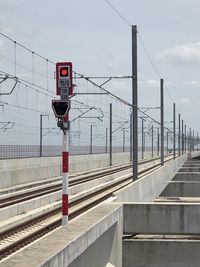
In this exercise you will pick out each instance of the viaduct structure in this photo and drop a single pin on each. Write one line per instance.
(153, 221)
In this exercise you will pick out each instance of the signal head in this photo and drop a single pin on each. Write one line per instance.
(60, 108)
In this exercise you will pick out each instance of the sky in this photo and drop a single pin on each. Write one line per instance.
(98, 42)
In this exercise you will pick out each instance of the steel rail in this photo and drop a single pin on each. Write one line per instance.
(90, 200)
(21, 197)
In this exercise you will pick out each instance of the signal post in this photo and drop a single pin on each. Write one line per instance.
(61, 110)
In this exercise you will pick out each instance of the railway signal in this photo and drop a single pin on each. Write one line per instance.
(61, 108)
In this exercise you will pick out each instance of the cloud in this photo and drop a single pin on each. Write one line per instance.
(185, 101)
(112, 64)
(120, 87)
(150, 84)
(7, 30)
(195, 84)
(182, 54)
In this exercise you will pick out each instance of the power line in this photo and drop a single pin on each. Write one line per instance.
(104, 90)
(118, 98)
(152, 64)
(143, 45)
(23, 67)
(118, 13)
(30, 85)
(81, 75)
(122, 17)
(148, 56)
(25, 108)
(168, 92)
(26, 48)
(19, 119)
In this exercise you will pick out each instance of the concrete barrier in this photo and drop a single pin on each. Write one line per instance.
(150, 186)
(23, 207)
(177, 223)
(95, 161)
(94, 239)
(193, 154)
(182, 189)
(161, 253)
(13, 177)
(23, 163)
(164, 218)
(190, 169)
(187, 176)
(19, 171)
(190, 164)
(75, 192)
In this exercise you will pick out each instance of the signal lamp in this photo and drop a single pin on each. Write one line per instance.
(64, 72)
(60, 108)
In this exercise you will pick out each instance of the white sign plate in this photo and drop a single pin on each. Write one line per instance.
(64, 92)
(63, 83)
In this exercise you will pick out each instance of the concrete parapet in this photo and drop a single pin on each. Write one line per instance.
(93, 161)
(80, 163)
(182, 189)
(23, 207)
(165, 218)
(19, 171)
(187, 176)
(150, 186)
(20, 176)
(190, 164)
(161, 253)
(6, 225)
(190, 169)
(23, 163)
(193, 154)
(94, 239)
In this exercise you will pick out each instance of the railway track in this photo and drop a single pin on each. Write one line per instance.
(19, 236)
(17, 197)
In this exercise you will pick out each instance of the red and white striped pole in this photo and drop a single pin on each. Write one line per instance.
(65, 171)
(64, 88)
